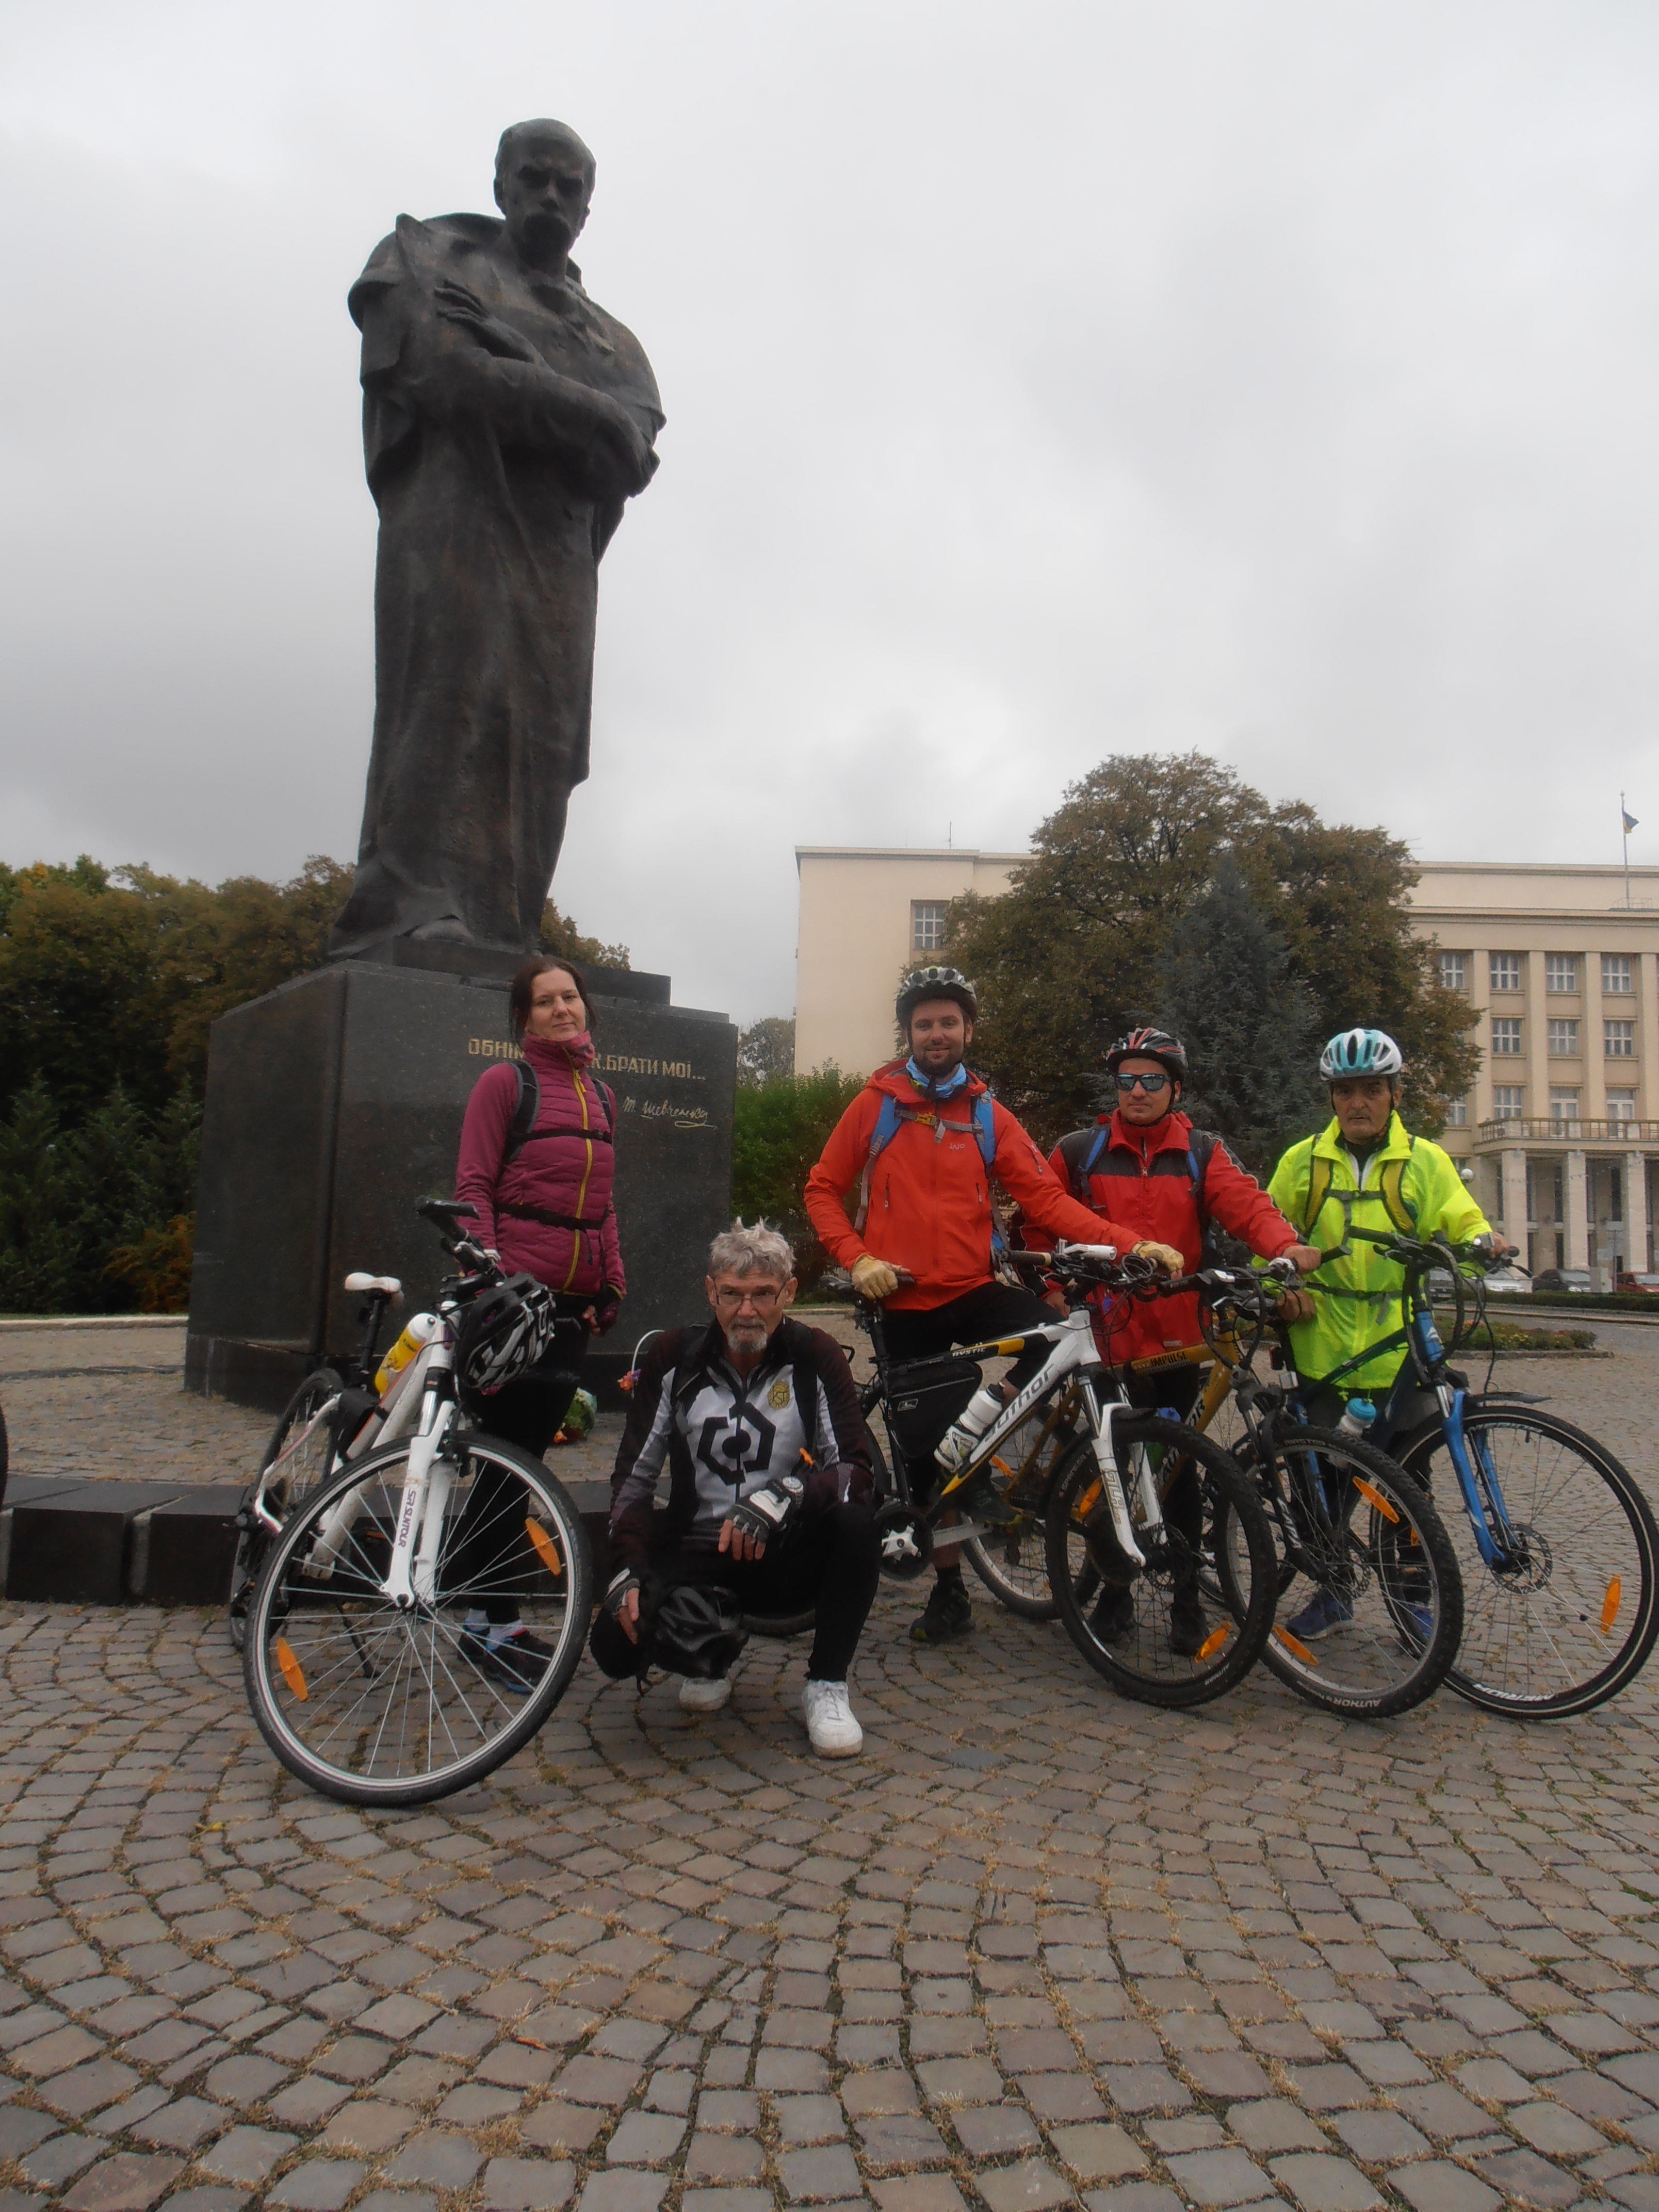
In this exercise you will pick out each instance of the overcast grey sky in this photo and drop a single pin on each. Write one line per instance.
(1277, 379)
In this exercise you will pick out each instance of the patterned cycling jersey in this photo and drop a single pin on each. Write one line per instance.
(723, 1435)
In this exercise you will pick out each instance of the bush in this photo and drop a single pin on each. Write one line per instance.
(108, 1201)
(780, 1126)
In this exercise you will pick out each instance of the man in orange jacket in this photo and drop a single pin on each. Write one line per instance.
(1145, 1160)
(920, 1142)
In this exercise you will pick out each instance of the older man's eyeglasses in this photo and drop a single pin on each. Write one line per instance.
(761, 1296)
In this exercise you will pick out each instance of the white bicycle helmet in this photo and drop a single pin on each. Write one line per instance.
(1360, 1052)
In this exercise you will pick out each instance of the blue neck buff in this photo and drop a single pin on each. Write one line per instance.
(945, 1089)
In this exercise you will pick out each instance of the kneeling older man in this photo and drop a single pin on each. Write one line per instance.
(770, 1481)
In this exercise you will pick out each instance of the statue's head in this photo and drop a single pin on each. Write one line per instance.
(544, 182)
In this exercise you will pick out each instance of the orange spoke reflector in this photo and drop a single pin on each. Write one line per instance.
(293, 1673)
(1375, 1499)
(1294, 1643)
(544, 1548)
(1086, 1504)
(1002, 1465)
(1610, 1604)
(1213, 1641)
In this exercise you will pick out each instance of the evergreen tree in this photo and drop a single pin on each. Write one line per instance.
(766, 1048)
(1250, 1025)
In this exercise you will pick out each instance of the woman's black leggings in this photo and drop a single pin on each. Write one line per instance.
(526, 1412)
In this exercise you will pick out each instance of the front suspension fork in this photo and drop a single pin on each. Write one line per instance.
(1112, 1483)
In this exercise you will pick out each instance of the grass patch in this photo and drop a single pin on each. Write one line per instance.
(1509, 1336)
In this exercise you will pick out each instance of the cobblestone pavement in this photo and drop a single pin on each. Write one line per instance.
(1037, 1946)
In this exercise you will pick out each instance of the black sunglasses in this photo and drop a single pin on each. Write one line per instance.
(1151, 1084)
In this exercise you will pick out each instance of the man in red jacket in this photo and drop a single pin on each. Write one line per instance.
(920, 1142)
(1144, 1162)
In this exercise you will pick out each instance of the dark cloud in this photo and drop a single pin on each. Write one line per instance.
(1274, 379)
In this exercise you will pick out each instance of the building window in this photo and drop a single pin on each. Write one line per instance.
(1506, 1102)
(1459, 1116)
(1621, 1105)
(1564, 1040)
(1561, 971)
(1621, 1040)
(1506, 971)
(1615, 973)
(1563, 1105)
(1451, 971)
(927, 925)
(1506, 1040)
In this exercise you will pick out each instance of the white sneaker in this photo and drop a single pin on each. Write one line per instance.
(830, 1722)
(698, 1694)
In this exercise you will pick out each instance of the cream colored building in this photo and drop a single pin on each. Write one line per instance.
(1561, 1129)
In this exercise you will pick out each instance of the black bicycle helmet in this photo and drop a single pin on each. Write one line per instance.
(924, 983)
(694, 1631)
(505, 1330)
(1168, 1051)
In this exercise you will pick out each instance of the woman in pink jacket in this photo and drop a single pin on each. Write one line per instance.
(543, 1196)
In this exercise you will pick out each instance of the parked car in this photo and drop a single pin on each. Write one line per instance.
(1649, 1283)
(1510, 1283)
(1574, 1280)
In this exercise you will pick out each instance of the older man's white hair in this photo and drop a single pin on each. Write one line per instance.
(759, 1250)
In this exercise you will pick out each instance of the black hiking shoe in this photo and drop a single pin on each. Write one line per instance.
(1187, 1626)
(948, 1614)
(1113, 1620)
(980, 1501)
(517, 1664)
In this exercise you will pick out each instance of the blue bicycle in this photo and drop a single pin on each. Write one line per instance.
(1557, 1545)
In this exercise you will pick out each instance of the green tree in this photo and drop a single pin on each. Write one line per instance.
(1074, 953)
(766, 1048)
(39, 1246)
(780, 1128)
(1250, 1024)
(560, 935)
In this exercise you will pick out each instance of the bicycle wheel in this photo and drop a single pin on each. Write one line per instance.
(1126, 1634)
(1013, 1562)
(377, 1705)
(1372, 1603)
(306, 1434)
(1569, 1621)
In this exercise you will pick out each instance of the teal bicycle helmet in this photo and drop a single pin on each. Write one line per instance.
(1360, 1052)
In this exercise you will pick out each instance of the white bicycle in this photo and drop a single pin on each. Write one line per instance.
(1099, 1496)
(362, 1670)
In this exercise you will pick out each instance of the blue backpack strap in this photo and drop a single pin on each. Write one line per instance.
(984, 1127)
(881, 1136)
(886, 1128)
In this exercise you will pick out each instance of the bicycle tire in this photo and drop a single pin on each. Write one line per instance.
(1590, 1563)
(301, 1671)
(1139, 1662)
(1013, 1562)
(254, 1542)
(1389, 1561)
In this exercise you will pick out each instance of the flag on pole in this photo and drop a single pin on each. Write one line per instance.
(1629, 821)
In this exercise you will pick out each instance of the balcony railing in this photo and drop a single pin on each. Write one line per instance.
(1558, 1129)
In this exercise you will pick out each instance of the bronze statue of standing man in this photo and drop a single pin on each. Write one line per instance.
(505, 421)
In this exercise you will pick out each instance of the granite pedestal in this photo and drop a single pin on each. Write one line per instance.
(335, 1102)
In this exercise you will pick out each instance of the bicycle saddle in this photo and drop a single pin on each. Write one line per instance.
(387, 1285)
(446, 1210)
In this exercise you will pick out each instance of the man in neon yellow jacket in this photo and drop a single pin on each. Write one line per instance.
(1363, 1171)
